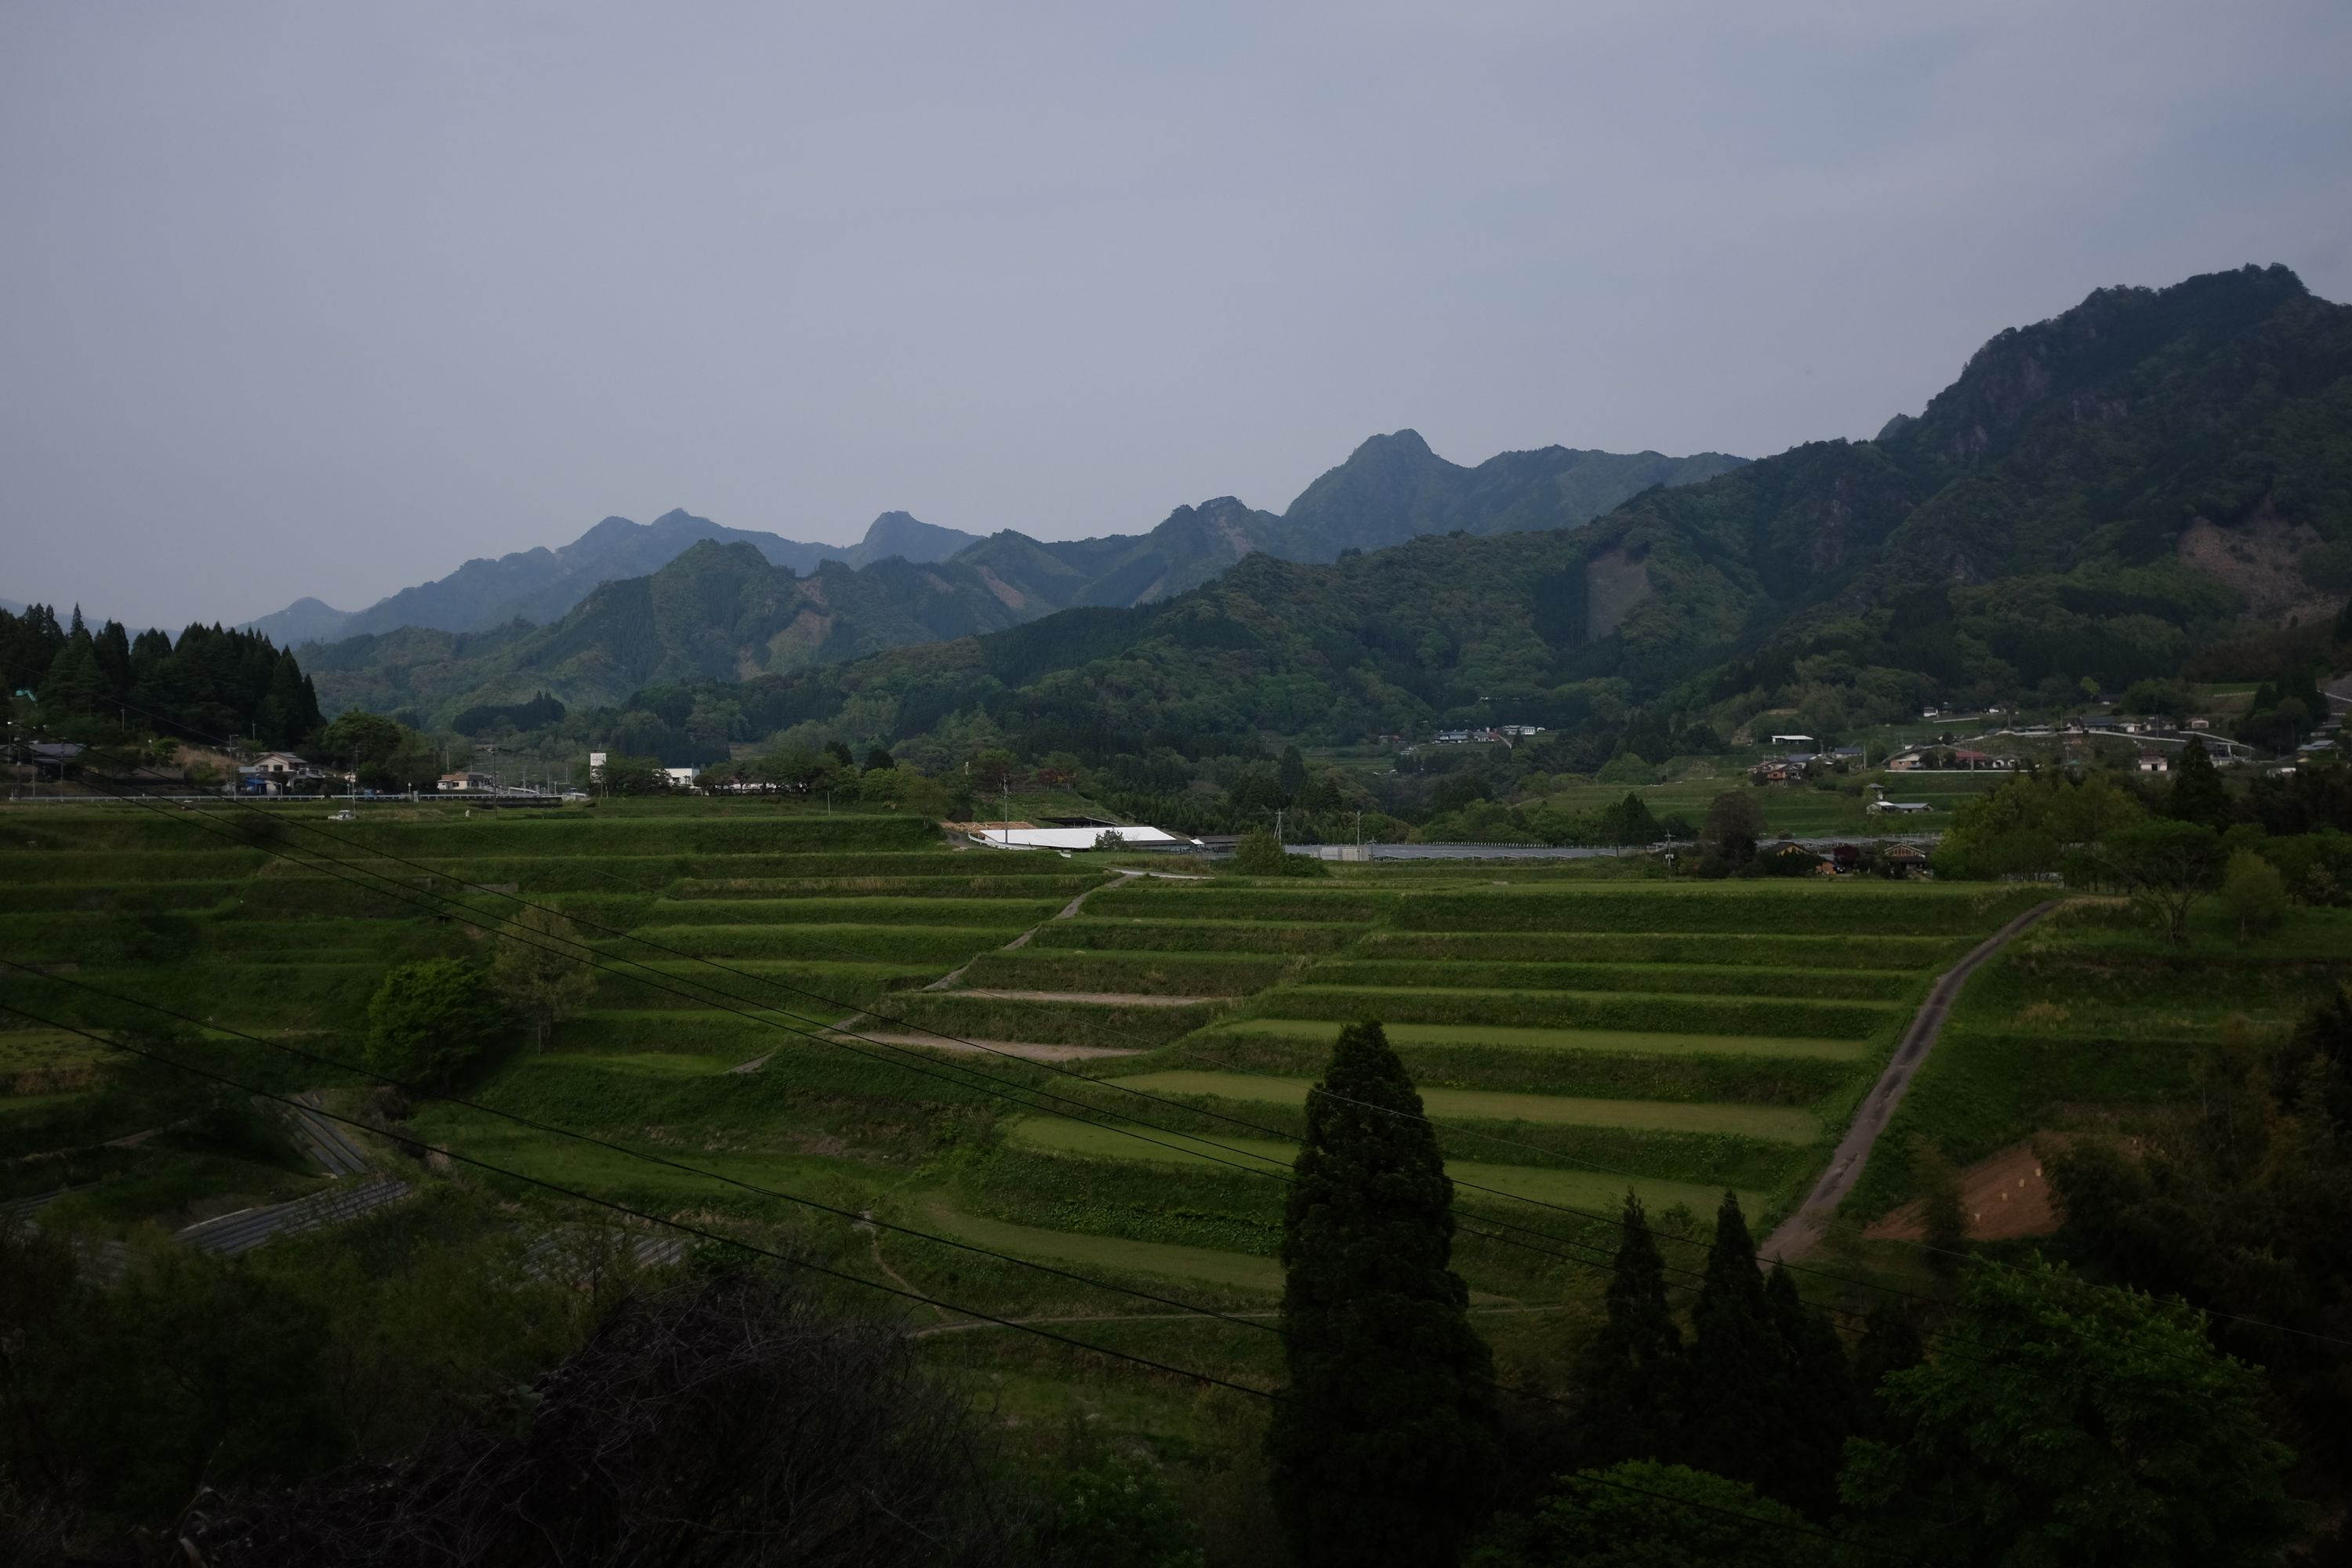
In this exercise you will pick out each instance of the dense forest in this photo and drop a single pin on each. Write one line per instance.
(208, 683)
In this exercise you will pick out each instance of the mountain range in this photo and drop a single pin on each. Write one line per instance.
(541, 584)
(2153, 483)
(2151, 479)
(469, 638)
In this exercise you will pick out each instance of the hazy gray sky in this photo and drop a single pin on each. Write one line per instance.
(304, 298)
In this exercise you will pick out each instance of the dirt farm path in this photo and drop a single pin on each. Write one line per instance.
(1797, 1235)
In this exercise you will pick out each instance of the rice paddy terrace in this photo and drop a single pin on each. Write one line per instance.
(1095, 1062)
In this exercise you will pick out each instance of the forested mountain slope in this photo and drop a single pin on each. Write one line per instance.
(2096, 496)
(719, 612)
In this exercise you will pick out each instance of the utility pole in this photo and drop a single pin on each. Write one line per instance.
(1005, 827)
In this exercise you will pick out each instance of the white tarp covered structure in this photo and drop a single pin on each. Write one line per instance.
(1077, 838)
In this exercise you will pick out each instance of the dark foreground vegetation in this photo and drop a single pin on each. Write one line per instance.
(469, 1379)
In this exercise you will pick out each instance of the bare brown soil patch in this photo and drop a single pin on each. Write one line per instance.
(2007, 1195)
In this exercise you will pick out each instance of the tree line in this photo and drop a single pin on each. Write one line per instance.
(206, 682)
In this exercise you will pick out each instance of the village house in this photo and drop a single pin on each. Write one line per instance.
(283, 773)
(467, 783)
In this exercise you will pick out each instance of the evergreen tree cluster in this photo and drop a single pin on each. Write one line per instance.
(210, 682)
(1761, 1392)
(2045, 1424)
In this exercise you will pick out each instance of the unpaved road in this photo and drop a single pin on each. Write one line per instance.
(1797, 1235)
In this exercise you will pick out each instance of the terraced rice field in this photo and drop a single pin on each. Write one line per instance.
(1572, 1041)
(852, 1003)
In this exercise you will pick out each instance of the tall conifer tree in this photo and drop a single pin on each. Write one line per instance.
(1821, 1409)
(1384, 1446)
(1742, 1367)
(1628, 1384)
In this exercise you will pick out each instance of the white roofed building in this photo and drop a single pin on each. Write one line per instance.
(1020, 836)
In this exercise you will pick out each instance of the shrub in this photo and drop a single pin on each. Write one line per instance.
(1261, 854)
(429, 1019)
(2256, 893)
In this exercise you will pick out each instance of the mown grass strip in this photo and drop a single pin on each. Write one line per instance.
(1193, 936)
(946, 946)
(1110, 1025)
(1157, 901)
(1016, 915)
(1014, 887)
(1784, 1124)
(1678, 979)
(1595, 1190)
(1586, 1010)
(1641, 1041)
(1721, 948)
